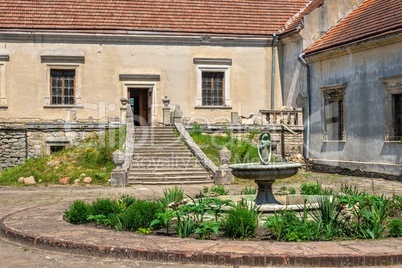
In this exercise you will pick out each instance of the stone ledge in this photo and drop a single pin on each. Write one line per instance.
(44, 228)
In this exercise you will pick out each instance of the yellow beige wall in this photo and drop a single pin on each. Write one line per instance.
(25, 81)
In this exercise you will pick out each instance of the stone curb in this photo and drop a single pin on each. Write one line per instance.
(212, 257)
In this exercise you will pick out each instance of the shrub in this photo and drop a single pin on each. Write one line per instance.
(106, 207)
(78, 212)
(241, 222)
(219, 190)
(310, 188)
(285, 225)
(395, 228)
(140, 214)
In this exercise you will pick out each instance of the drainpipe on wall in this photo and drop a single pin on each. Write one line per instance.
(274, 37)
(303, 61)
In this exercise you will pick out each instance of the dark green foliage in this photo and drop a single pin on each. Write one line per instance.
(140, 214)
(311, 188)
(105, 207)
(78, 212)
(206, 228)
(241, 221)
(286, 226)
(395, 228)
(127, 200)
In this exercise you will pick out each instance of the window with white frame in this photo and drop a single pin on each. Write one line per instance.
(393, 108)
(63, 86)
(334, 112)
(213, 82)
(3, 97)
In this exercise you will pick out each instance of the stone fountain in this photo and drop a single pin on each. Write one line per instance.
(266, 172)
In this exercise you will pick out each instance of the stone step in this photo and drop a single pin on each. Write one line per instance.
(173, 182)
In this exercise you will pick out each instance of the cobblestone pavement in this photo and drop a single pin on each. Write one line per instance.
(12, 199)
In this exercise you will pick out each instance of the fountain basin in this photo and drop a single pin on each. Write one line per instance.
(264, 176)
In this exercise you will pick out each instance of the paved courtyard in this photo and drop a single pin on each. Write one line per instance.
(42, 207)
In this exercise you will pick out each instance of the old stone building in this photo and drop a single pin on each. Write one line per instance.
(68, 67)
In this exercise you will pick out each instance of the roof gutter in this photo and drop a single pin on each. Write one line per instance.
(307, 144)
(273, 72)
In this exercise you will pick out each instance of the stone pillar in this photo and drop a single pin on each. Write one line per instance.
(123, 110)
(166, 111)
(224, 175)
(119, 175)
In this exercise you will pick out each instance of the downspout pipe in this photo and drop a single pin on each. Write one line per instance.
(274, 38)
(303, 61)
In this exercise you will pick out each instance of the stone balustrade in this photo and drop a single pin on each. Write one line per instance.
(289, 117)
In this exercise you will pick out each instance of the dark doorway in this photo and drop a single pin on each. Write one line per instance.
(139, 105)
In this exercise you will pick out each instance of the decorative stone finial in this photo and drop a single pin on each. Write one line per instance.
(224, 156)
(166, 101)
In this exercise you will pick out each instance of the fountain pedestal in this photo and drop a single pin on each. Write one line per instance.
(264, 176)
(264, 193)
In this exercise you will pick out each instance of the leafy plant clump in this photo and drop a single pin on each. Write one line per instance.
(311, 188)
(78, 212)
(90, 158)
(241, 221)
(339, 216)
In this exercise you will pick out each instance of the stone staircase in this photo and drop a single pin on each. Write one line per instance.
(161, 157)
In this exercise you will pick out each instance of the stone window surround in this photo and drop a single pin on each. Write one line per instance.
(334, 90)
(3, 97)
(63, 63)
(213, 65)
(55, 142)
(140, 81)
(392, 85)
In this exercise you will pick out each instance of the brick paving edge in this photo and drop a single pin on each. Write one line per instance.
(186, 257)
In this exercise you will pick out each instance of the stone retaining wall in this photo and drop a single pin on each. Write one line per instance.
(18, 142)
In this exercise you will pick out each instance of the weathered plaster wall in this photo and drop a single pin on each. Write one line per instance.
(26, 85)
(364, 104)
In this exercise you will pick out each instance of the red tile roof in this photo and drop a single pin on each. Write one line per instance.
(250, 17)
(371, 19)
(295, 20)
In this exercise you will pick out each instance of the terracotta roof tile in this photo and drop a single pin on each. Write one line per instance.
(190, 16)
(295, 20)
(372, 18)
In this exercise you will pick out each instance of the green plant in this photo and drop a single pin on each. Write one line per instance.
(248, 191)
(241, 221)
(78, 212)
(185, 225)
(395, 228)
(292, 190)
(163, 219)
(219, 190)
(206, 228)
(105, 207)
(145, 231)
(172, 195)
(285, 225)
(310, 188)
(328, 215)
(140, 214)
(196, 129)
